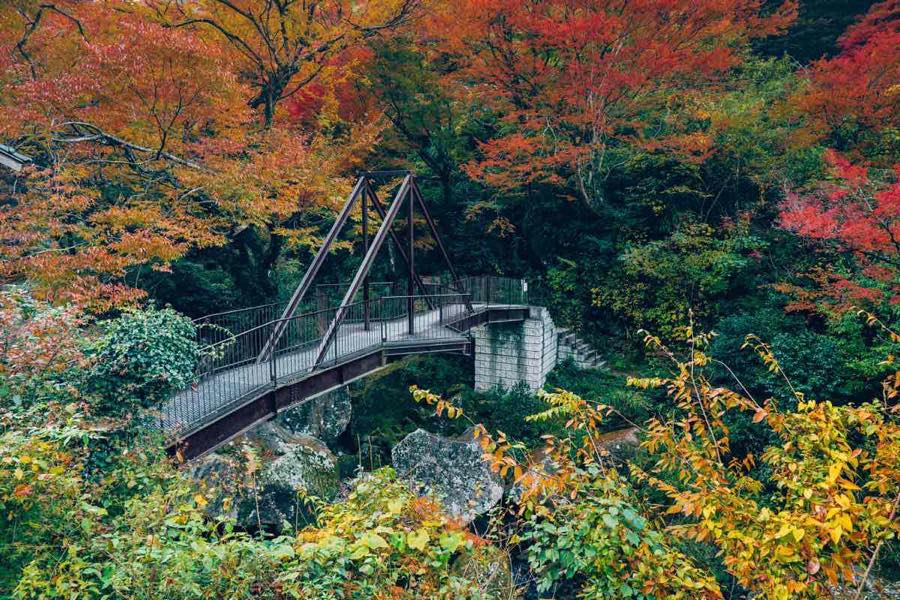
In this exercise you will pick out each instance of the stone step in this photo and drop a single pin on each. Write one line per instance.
(593, 364)
(588, 356)
(581, 352)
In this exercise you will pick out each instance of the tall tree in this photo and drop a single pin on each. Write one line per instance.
(853, 100)
(284, 45)
(152, 134)
(578, 84)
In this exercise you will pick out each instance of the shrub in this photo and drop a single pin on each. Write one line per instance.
(602, 542)
(141, 359)
(381, 542)
(41, 353)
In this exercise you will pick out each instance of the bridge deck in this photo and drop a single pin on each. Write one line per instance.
(225, 391)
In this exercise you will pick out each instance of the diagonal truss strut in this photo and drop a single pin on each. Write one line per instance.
(363, 192)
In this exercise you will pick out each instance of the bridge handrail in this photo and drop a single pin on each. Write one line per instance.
(229, 372)
(236, 311)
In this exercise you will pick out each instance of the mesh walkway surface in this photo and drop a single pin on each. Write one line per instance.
(221, 391)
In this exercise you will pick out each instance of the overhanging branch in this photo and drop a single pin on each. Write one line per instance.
(86, 132)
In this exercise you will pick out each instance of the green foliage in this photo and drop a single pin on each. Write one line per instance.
(506, 410)
(140, 359)
(605, 387)
(381, 540)
(566, 290)
(841, 360)
(142, 532)
(603, 543)
(139, 532)
(382, 412)
(662, 282)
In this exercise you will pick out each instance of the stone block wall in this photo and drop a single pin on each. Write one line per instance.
(509, 353)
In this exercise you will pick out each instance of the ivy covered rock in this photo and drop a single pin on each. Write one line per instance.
(324, 417)
(452, 469)
(290, 466)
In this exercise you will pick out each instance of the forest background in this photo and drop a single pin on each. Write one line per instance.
(664, 166)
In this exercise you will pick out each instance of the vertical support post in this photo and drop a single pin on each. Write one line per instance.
(411, 280)
(395, 289)
(382, 319)
(273, 373)
(365, 227)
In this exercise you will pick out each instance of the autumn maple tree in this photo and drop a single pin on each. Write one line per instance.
(578, 86)
(152, 130)
(852, 101)
(857, 213)
(283, 45)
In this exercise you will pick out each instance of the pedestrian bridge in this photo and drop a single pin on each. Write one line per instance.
(239, 384)
(258, 361)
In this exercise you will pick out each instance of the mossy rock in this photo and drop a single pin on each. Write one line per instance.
(292, 466)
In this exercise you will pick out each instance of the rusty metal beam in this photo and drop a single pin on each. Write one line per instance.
(402, 194)
(311, 272)
(411, 274)
(379, 208)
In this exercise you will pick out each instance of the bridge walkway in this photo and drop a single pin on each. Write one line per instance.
(235, 389)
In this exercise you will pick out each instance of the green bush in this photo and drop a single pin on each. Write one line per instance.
(140, 359)
(143, 533)
(601, 545)
(820, 364)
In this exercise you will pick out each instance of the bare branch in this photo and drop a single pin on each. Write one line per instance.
(32, 27)
(86, 132)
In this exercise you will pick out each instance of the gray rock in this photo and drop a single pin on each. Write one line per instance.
(622, 444)
(221, 480)
(259, 478)
(291, 465)
(324, 417)
(451, 469)
(875, 588)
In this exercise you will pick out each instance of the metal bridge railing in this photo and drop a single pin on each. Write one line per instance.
(230, 373)
(494, 290)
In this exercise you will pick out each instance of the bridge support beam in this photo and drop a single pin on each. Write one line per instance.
(507, 354)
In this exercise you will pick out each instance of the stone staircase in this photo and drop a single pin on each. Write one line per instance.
(570, 345)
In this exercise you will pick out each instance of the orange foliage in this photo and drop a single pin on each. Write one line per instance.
(573, 81)
(143, 120)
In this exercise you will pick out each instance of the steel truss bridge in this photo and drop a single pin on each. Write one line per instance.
(259, 361)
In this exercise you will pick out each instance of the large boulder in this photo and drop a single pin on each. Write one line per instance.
(221, 479)
(324, 417)
(260, 478)
(291, 466)
(452, 469)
